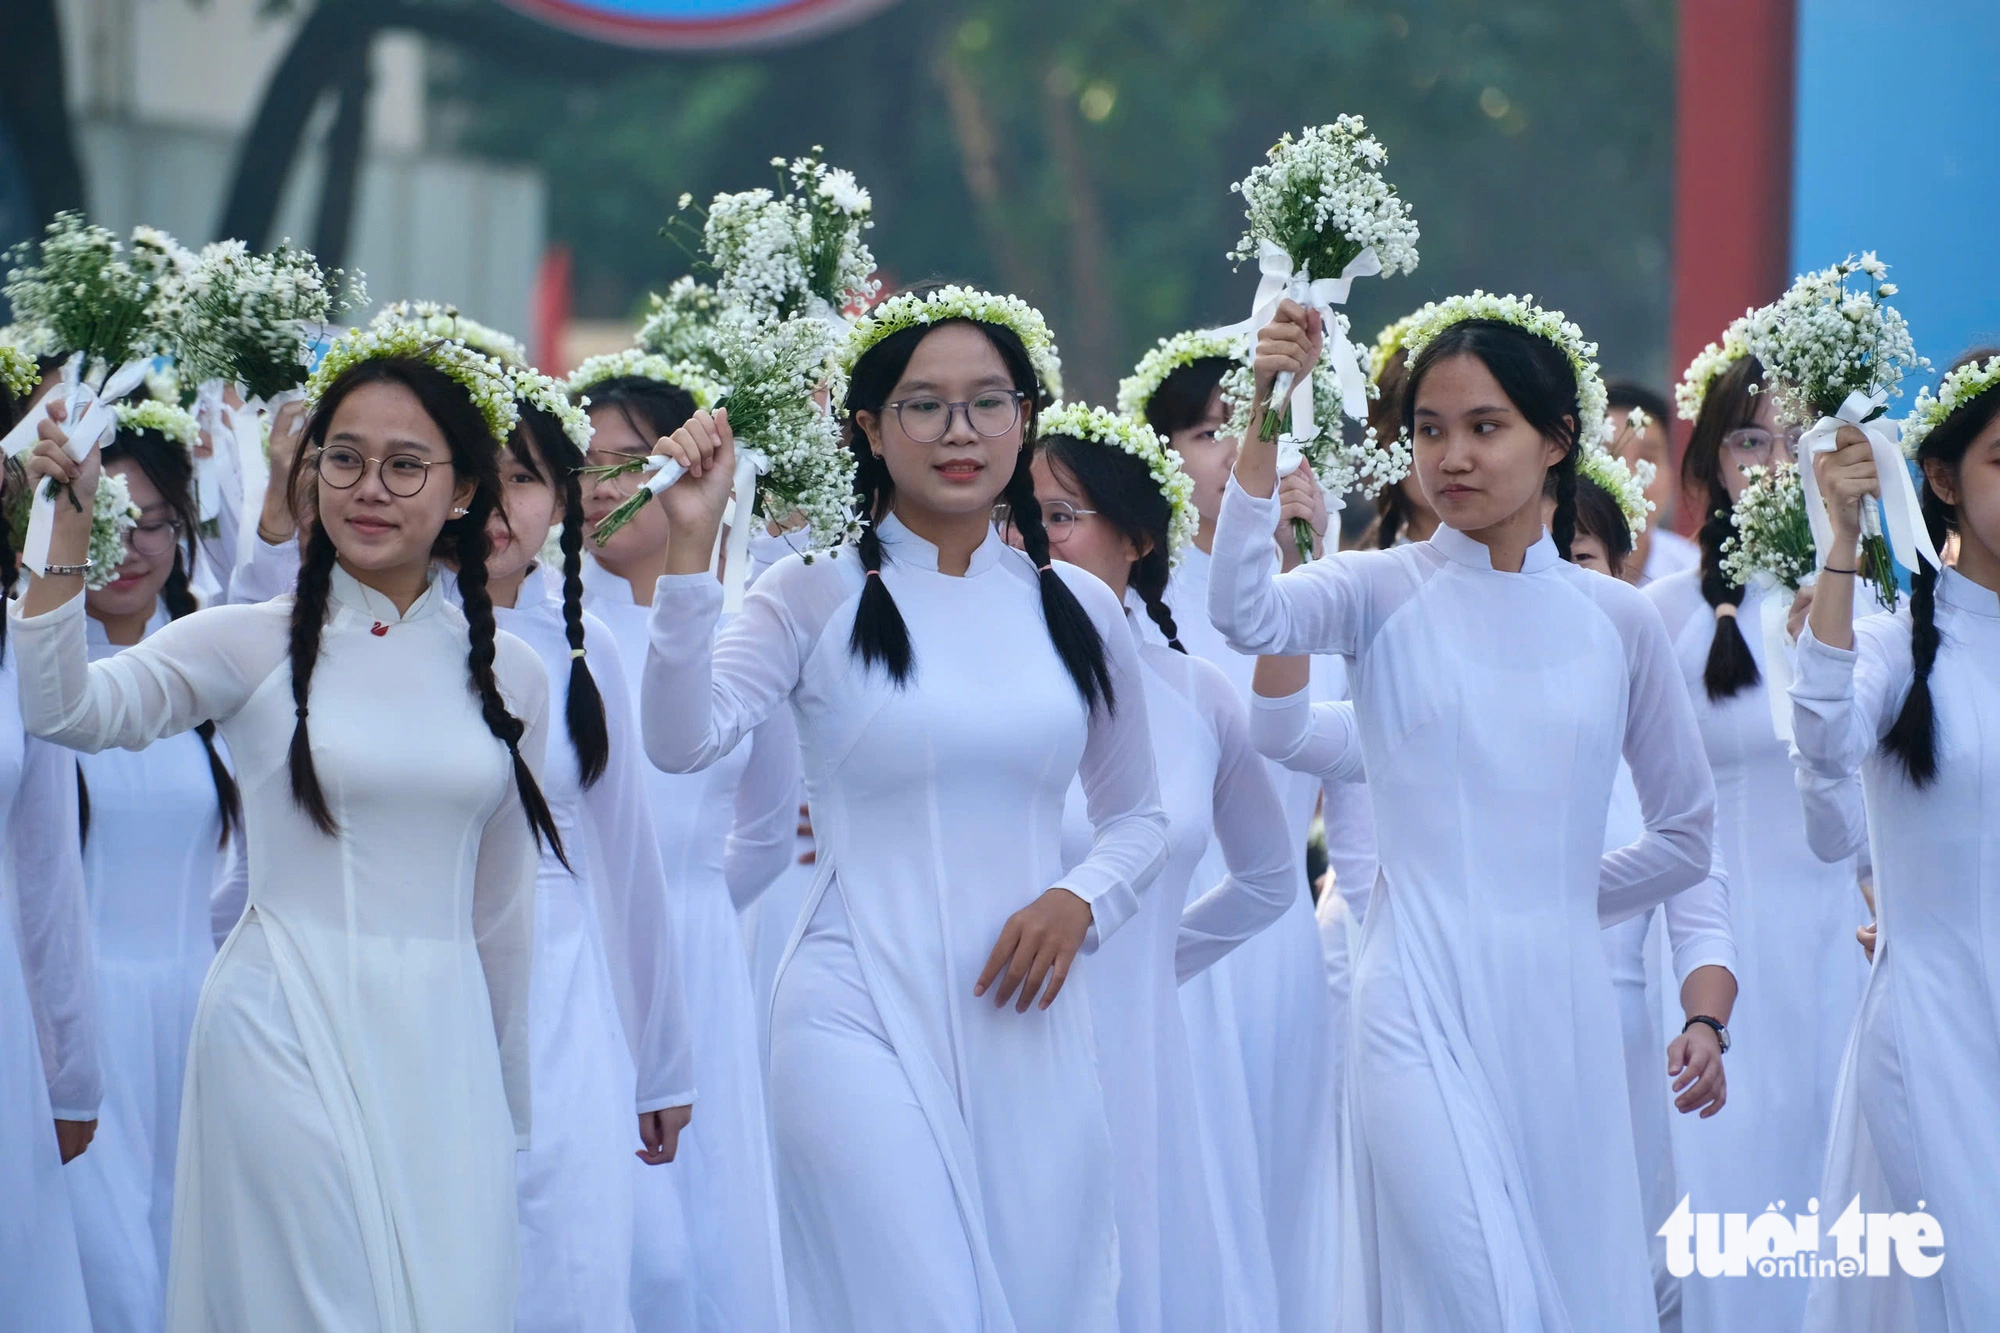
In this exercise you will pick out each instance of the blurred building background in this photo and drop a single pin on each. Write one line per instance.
(1650, 167)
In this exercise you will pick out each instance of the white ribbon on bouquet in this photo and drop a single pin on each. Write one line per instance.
(1909, 540)
(91, 415)
(1278, 280)
(662, 472)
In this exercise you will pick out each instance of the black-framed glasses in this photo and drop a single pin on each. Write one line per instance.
(1754, 444)
(1058, 518)
(403, 475)
(927, 418)
(153, 537)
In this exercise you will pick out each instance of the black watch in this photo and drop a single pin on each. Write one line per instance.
(1721, 1031)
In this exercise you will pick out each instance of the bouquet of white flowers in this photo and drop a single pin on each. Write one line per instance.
(793, 251)
(786, 441)
(1772, 538)
(1837, 355)
(1320, 215)
(680, 326)
(1366, 464)
(107, 309)
(112, 515)
(252, 319)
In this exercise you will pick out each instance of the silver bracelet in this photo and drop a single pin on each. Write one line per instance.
(57, 571)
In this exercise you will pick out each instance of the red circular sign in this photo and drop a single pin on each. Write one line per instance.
(697, 24)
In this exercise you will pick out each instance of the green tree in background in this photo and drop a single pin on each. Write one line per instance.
(1079, 152)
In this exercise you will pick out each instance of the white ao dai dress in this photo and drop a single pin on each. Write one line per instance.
(1914, 1125)
(941, 1163)
(1801, 974)
(357, 1079)
(1491, 1180)
(609, 1030)
(707, 1256)
(48, 1024)
(1177, 1271)
(151, 861)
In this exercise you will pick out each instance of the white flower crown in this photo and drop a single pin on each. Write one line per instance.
(18, 371)
(1959, 388)
(552, 396)
(1120, 431)
(1524, 314)
(176, 423)
(1135, 391)
(486, 380)
(1708, 364)
(636, 363)
(1624, 482)
(907, 310)
(444, 321)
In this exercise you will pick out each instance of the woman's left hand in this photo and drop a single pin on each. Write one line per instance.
(1038, 942)
(1300, 497)
(1694, 1062)
(660, 1132)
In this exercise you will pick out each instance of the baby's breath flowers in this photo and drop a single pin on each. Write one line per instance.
(486, 380)
(1121, 431)
(87, 293)
(1771, 536)
(251, 319)
(1135, 391)
(1960, 387)
(680, 326)
(635, 362)
(1709, 363)
(908, 309)
(446, 321)
(165, 419)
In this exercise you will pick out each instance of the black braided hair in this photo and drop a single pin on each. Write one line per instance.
(473, 458)
(1729, 405)
(472, 545)
(880, 635)
(1912, 737)
(1538, 380)
(1183, 398)
(543, 450)
(1121, 489)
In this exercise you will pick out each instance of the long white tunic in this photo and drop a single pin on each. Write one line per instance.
(1915, 1124)
(48, 1023)
(942, 1163)
(1491, 1171)
(707, 1255)
(610, 1035)
(358, 1071)
(1174, 1272)
(1800, 972)
(150, 864)
(1264, 1043)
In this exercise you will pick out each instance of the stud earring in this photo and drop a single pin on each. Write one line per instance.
(460, 512)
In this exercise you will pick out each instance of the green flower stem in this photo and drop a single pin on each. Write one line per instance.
(620, 516)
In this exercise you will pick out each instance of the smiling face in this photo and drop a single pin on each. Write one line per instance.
(1479, 460)
(150, 549)
(383, 424)
(1091, 541)
(963, 471)
(529, 507)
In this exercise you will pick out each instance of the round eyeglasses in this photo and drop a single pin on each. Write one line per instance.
(1755, 445)
(1058, 518)
(154, 537)
(926, 418)
(403, 475)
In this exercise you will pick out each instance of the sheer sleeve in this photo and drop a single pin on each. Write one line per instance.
(199, 668)
(503, 887)
(1698, 924)
(1120, 784)
(1317, 738)
(1836, 815)
(1251, 829)
(633, 908)
(1321, 607)
(766, 827)
(1669, 768)
(1844, 700)
(702, 692)
(45, 862)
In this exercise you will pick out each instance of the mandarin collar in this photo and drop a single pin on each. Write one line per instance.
(99, 645)
(914, 552)
(356, 596)
(1463, 550)
(1962, 594)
